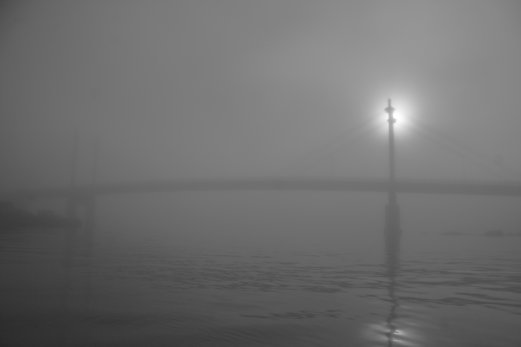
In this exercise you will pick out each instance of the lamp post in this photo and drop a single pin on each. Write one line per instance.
(392, 213)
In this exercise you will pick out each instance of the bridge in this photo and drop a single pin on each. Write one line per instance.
(84, 196)
(486, 188)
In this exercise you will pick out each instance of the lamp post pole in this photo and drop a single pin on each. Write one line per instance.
(392, 220)
(392, 174)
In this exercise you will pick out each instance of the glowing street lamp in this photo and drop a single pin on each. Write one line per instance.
(392, 215)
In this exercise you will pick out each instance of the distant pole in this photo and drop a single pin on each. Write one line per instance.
(70, 235)
(95, 159)
(392, 220)
(74, 159)
(71, 201)
(90, 215)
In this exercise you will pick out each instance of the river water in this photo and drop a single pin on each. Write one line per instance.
(447, 291)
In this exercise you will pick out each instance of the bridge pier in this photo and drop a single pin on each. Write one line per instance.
(393, 233)
(87, 203)
(71, 212)
(79, 242)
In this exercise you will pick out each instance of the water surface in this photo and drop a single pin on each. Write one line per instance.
(448, 291)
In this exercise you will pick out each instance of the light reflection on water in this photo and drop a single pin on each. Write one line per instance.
(266, 298)
(393, 331)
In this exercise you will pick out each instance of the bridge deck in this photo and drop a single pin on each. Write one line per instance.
(355, 185)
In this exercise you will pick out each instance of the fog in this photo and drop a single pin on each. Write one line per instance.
(170, 137)
(286, 88)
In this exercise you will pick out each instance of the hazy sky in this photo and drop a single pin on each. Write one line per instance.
(251, 88)
(183, 88)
